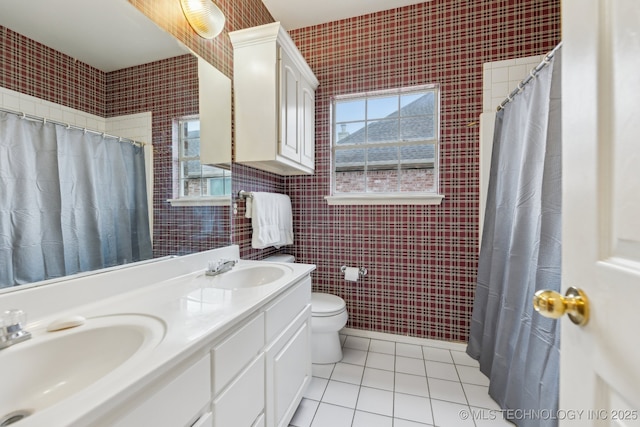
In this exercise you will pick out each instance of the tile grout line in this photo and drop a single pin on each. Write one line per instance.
(464, 391)
(426, 374)
(353, 417)
(393, 392)
(322, 396)
(393, 386)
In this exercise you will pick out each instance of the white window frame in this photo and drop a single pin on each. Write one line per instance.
(388, 198)
(179, 158)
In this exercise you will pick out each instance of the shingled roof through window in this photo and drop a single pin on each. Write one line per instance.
(416, 123)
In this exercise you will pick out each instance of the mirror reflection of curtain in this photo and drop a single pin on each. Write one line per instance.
(517, 348)
(71, 201)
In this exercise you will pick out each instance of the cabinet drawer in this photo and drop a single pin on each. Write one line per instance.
(236, 351)
(175, 403)
(282, 312)
(243, 401)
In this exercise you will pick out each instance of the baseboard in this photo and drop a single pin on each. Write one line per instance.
(449, 345)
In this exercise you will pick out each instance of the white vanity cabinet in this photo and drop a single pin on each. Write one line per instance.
(262, 368)
(253, 375)
(288, 353)
(188, 350)
(274, 91)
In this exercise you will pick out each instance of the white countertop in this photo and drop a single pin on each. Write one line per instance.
(173, 291)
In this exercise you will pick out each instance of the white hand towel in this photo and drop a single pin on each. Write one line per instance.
(271, 219)
(248, 207)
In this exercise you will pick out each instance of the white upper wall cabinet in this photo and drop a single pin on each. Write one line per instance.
(214, 103)
(274, 91)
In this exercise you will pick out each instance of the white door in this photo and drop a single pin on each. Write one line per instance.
(600, 362)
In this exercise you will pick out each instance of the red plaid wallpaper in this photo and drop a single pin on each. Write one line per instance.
(28, 67)
(219, 51)
(167, 88)
(421, 260)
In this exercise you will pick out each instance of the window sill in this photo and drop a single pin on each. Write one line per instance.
(386, 199)
(201, 201)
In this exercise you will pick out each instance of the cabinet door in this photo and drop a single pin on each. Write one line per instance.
(289, 77)
(288, 371)
(214, 106)
(307, 122)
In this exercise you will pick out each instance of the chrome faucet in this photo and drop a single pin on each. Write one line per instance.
(12, 328)
(220, 266)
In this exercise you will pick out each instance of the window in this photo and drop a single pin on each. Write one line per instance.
(385, 147)
(196, 183)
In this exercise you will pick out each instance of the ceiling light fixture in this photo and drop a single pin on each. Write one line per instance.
(204, 16)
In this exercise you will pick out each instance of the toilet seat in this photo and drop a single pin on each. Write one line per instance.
(326, 305)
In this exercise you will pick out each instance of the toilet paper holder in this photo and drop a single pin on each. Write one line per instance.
(361, 271)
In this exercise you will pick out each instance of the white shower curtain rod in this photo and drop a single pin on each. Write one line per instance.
(532, 75)
(69, 126)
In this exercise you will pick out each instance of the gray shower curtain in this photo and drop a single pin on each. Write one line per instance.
(520, 253)
(70, 201)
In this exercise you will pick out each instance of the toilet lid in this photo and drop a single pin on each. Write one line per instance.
(326, 304)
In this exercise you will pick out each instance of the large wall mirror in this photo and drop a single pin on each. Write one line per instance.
(108, 66)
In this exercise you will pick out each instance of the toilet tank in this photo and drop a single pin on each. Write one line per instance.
(280, 258)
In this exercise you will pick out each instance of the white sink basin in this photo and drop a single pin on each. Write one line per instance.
(52, 366)
(244, 277)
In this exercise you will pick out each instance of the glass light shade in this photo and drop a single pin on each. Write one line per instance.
(204, 16)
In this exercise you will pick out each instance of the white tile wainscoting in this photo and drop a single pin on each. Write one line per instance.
(386, 380)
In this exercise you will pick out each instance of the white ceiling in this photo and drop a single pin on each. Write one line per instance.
(113, 34)
(107, 34)
(294, 14)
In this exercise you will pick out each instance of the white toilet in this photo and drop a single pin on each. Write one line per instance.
(328, 316)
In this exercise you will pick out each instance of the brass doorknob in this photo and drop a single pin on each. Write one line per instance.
(553, 305)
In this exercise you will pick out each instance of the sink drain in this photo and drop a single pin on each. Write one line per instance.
(13, 417)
